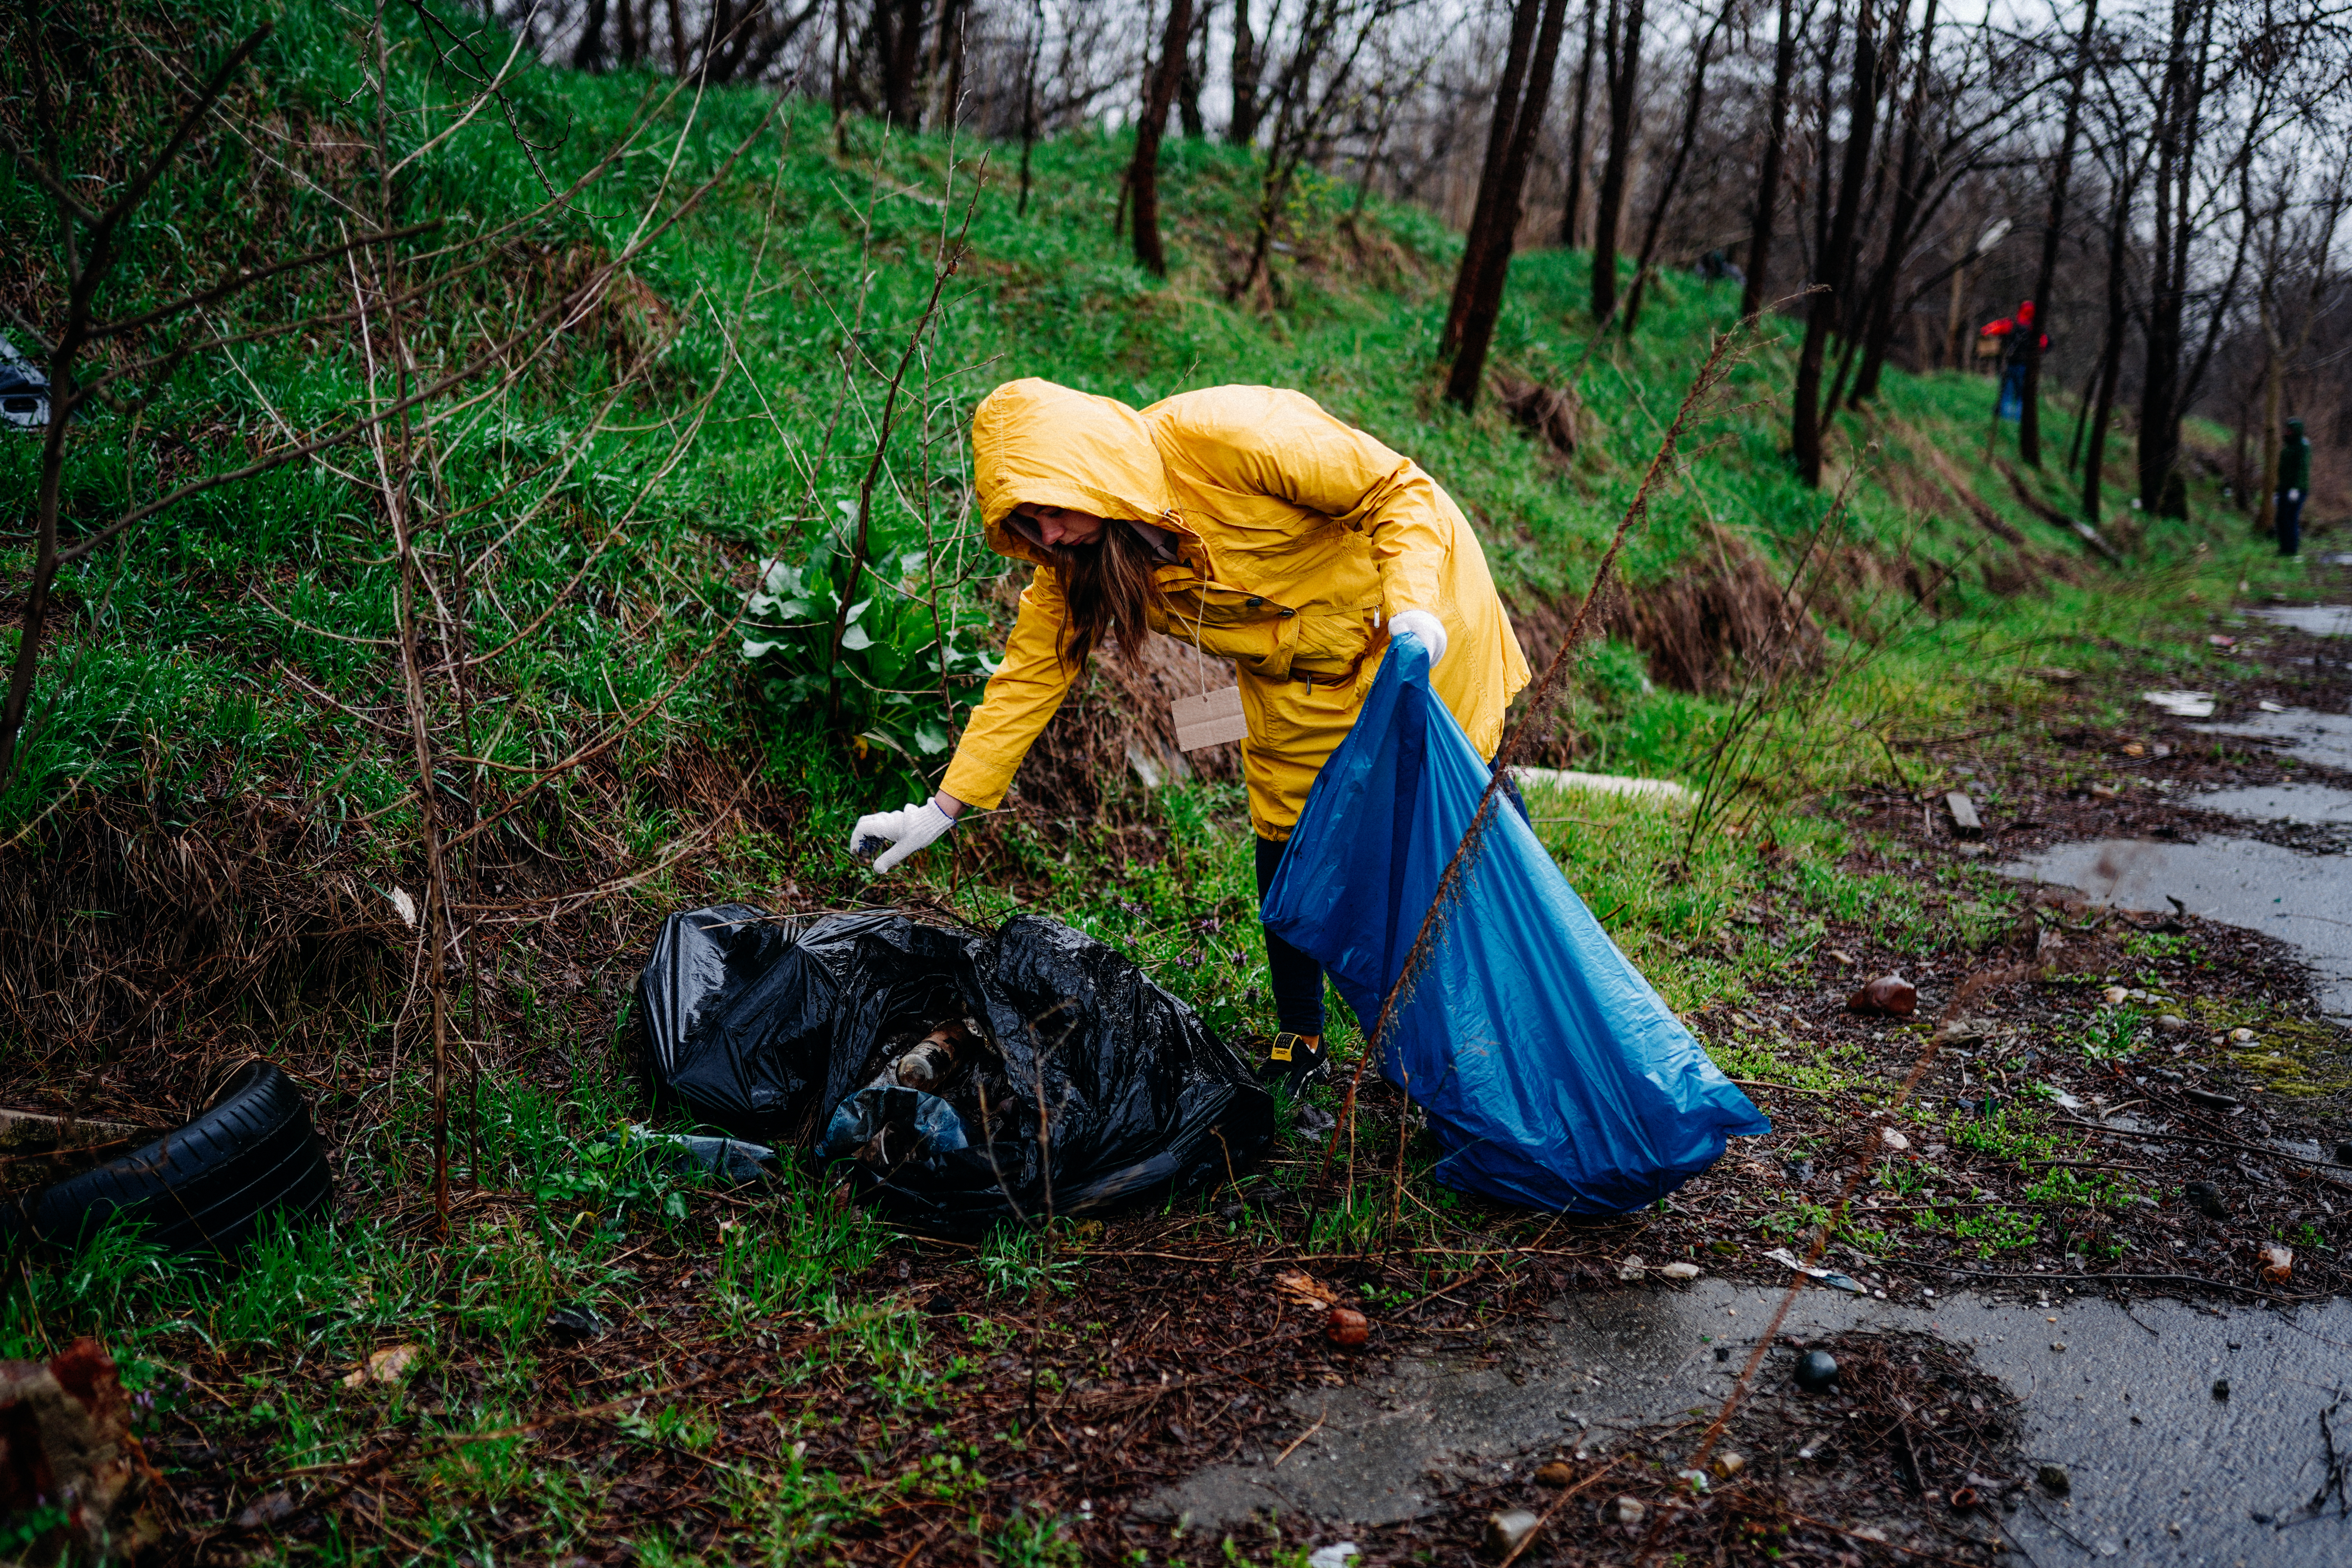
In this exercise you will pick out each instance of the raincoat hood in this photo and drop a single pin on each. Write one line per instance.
(1037, 443)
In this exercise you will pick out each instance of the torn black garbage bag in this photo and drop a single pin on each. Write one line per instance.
(918, 1056)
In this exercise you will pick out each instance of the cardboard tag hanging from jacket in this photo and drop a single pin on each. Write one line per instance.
(1212, 719)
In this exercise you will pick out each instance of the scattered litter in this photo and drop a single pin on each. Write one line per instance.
(2216, 639)
(2182, 704)
(1965, 1499)
(2242, 1037)
(2222, 1388)
(1680, 1273)
(1839, 955)
(1622, 1511)
(1889, 996)
(2172, 1022)
(2267, 706)
(2114, 996)
(1347, 1326)
(1339, 1556)
(1816, 1370)
(2061, 1099)
(1664, 791)
(1829, 1277)
(403, 905)
(2058, 1346)
(387, 1365)
(2053, 1479)
(1727, 1464)
(1893, 1140)
(2209, 1099)
(729, 1157)
(1631, 1269)
(2278, 1265)
(1506, 1533)
(576, 1322)
(1557, 1473)
(1965, 820)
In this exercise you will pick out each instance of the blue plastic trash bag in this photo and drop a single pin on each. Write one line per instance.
(1551, 1072)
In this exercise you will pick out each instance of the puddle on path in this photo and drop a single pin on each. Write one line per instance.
(2305, 899)
(2319, 620)
(2322, 738)
(2311, 804)
(2162, 1471)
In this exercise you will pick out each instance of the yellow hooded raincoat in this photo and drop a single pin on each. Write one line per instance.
(1294, 537)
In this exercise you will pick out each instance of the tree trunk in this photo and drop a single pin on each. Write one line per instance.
(1674, 171)
(1144, 174)
(899, 42)
(1862, 111)
(1571, 211)
(2111, 353)
(2029, 428)
(1029, 98)
(1622, 53)
(2176, 129)
(1196, 69)
(1486, 298)
(1248, 66)
(1500, 129)
(1768, 177)
(1910, 183)
(2274, 394)
(588, 54)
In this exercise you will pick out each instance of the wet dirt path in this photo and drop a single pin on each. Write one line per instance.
(2159, 1468)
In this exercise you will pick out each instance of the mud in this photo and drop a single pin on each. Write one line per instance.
(2160, 1468)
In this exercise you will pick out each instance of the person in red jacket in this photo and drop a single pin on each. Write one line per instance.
(2014, 330)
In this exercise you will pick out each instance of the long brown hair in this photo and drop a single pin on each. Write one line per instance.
(1111, 590)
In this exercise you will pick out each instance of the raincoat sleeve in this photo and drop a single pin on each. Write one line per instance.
(1290, 448)
(1028, 686)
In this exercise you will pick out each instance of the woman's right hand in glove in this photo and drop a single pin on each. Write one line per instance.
(898, 834)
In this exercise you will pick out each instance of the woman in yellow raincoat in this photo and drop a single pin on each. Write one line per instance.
(1249, 522)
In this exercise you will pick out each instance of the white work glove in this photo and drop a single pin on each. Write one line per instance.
(1424, 626)
(897, 834)
(2294, 495)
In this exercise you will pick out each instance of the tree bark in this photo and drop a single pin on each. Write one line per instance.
(2179, 100)
(588, 54)
(1768, 176)
(1910, 186)
(898, 41)
(1572, 210)
(1487, 298)
(1248, 67)
(1824, 315)
(2029, 428)
(1525, 15)
(2111, 353)
(1622, 54)
(1144, 174)
(1188, 86)
(1674, 179)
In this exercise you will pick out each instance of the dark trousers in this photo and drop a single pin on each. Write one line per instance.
(1297, 977)
(2290, 522)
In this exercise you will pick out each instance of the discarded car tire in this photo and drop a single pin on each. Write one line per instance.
(207, 1188)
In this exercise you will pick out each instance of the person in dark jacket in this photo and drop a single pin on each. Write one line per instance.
(2294, 483)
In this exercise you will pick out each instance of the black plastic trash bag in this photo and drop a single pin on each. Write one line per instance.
(916, 1057)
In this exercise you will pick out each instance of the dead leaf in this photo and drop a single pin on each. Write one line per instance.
(1306, 1289)
(387, 1365)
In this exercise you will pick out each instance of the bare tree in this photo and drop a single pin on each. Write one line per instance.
(2029, 429)
(1694, 102)
(1835, 258)
(1622, 57)
(1144, 174)
(1486, 259)
(1767, 174)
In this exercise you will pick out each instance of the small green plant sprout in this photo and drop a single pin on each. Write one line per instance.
(1018, 1261)
(1029, 1540)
